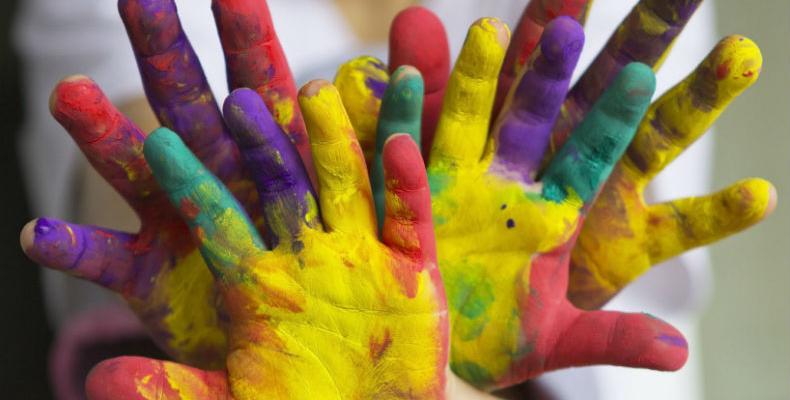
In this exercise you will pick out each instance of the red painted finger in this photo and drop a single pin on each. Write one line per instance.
(255, 59)
(418, 38)
(614, 338)
(112, 143)
(138, 378)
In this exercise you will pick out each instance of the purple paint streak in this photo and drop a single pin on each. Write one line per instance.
(526, 124)
(282, 182)
(677, 341)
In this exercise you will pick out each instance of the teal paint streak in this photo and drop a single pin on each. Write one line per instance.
(584, 163)
(181, 174)
(471, 372)
(401, 112)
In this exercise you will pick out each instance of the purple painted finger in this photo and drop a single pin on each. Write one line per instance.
(274, 163)
(523, 131)
(644, 36)
(175, 83)
(100, 255)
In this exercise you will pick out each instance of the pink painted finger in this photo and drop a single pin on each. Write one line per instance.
(112, 143)
(99, 255)
(525, 38)
(139, 378)
(645, 36)
(175, 84)
(255, 59)
(614, 338)
(408, 223)
(418, 38)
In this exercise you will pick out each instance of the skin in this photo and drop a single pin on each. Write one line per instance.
(504, 237)
(159, 270)
(663, 231)
(351, 316)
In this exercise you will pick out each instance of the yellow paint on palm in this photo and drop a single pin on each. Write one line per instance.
(470, 95)
(623, 236)
(488, 231)
(187, 291)
(345, 323)
(361, 83)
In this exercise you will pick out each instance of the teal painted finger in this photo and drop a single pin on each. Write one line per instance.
(584, 163)
(217, 221)
(401, 112)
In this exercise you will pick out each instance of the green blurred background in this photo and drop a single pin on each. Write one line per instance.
(746, 329)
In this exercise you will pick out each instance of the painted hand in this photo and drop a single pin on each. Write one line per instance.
(504, 237)
(623, 236)
(330, 311)
(158, 270)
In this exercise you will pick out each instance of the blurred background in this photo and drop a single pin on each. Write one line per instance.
(740, 329)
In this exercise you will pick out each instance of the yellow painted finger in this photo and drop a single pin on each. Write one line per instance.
(344, 189)
(463, 124)
(361, 83)
(677, 226)
(685, 112)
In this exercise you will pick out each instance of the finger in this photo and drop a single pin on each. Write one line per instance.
(221, 228)
(683, 114)
(408, 224)
(401, 112)
(466, 113)
(645, 36)
(613, 338)
(139, 378)
(526, 36)
(270, 157)
(523, 131)
(680, 225)
(174, 80)
(361, 83)
(344, 187)
(99, 255)
(418, 38)
(112, 143)
(584, 163)
(255, 59)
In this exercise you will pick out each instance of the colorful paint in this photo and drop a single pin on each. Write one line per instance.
(624, 236)
(361, 83)
(158, 270)
(352, 317)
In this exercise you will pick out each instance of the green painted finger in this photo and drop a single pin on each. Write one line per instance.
(585, 161)
(217, 221)
(401, 112)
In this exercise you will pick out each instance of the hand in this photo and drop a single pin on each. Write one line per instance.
(348, 315)
(158, 270)
(504, 237)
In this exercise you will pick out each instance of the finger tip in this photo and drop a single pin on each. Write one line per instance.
(116, 377)
(406, 73)
(402, 160)
(27, 236)
(736, 63)
(495, 27)
(773, 199)
(314, 87)
(637, 82)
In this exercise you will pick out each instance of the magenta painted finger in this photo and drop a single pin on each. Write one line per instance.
(645, 36)
(283, 184)
(628, 340)
(524, 129)
(174, 81)
(418, 38)
(255, 59)
(103, 256)
(526, 36)
(112, 143)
